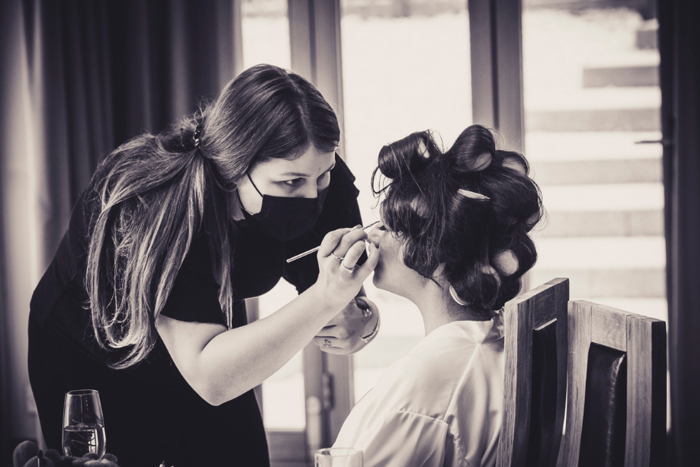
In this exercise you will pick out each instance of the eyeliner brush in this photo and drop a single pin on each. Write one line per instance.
(314, 250)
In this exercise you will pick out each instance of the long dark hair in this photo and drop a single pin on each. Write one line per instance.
(156, 192)
(469, 208)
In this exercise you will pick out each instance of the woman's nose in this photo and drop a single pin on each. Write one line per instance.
(309, 191)
(375, 235)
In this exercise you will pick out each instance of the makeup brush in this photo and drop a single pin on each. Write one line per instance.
(314, 250)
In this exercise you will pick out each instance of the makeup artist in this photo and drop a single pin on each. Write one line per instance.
(144, 299)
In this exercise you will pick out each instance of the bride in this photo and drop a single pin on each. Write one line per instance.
(453, 240)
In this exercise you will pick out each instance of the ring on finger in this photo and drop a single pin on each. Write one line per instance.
(350, 270)
(339, 258)
(326, 343)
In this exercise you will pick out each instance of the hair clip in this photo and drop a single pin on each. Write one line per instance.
(196, 137)
(472, 194)
(423, 150)
(506, 262)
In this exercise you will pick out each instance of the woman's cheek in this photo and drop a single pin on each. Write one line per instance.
(379, 271)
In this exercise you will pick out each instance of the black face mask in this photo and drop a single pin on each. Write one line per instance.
(283, 218)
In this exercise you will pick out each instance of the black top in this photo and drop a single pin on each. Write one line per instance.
(149, 408)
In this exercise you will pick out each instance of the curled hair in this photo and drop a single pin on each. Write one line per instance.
(469, 209)
(155, 193)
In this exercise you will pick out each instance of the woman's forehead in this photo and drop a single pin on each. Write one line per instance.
(311, 163)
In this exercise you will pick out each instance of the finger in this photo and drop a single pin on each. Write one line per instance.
(322, 341)
(350, 314)
(371, 263)
(339, 333)
(341, 318)
(327, 343)
(329, 335)
(354, 254)
(368, 307)
(362, 302)
(348, 240)
(330, 241)
(337, 320)
(367, 303)
(366, 310)
(328, 331)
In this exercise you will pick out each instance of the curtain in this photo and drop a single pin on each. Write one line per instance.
(80, 77)
(680, 75)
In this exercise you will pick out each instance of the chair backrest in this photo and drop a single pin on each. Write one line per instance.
(535, 328)
(616, 410)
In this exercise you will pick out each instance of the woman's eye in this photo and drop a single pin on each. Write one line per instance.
(381, 226)
(293, 182)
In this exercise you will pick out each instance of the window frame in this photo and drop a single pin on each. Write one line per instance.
(497, 101)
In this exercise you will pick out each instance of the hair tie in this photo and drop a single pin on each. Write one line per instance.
(456, 298)
(196, 137)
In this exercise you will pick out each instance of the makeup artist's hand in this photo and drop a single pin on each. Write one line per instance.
(340, 278)
(343, 334)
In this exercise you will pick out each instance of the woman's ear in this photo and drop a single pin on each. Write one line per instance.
(438, 274)
(439, 277)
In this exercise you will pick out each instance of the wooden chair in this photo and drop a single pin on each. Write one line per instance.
(616, 410)
(535, 327)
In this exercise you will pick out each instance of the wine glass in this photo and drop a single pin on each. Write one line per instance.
(83, 424)
(338, 457)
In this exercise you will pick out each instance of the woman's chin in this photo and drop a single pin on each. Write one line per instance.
(381, 282)
(378, 280)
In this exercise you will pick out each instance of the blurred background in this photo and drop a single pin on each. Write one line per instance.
(574, 85)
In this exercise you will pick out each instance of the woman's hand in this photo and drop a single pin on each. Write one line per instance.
(343, 334)
(340, 278)
(221, 364)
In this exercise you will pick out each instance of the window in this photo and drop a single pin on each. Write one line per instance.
(591, 96)
(265, 26)
(591, 92)
(406, 68)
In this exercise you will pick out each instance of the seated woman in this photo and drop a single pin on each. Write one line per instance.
(454, 241)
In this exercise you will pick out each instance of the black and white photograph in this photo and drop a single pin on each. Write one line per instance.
(349, 233)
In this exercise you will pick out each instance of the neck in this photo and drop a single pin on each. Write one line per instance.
(437, 306)
(235, 207)
(430, 299)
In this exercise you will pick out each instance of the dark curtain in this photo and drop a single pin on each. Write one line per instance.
(109, 70)
(80, 77)
(679, 37)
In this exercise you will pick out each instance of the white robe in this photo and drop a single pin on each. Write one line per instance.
(441, 405)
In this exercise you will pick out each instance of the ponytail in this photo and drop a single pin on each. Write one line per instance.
(152, 193)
